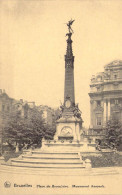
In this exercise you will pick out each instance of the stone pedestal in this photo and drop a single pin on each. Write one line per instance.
(67, 146)
(68, 128)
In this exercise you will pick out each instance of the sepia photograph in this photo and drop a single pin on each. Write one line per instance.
(60, 97)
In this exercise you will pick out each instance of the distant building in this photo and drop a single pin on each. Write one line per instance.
(5, 103)
(20, 107)
(5, 109)
(106, 97)
(47, 114)
(10, 106)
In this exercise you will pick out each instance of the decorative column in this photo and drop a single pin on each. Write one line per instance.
(91, 113)
(104, 115)
(108, 109)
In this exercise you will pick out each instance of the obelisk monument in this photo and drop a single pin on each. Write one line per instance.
(70, 122)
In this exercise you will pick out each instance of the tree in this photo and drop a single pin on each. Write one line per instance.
(27, 130)
(113, 132)
(21, 130)
(49, 132)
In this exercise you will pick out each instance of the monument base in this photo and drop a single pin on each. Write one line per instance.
(55, 155)
(68, 146)
(68, 128)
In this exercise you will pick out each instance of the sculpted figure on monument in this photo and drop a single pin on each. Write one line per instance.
(69, 26)
(77, 111)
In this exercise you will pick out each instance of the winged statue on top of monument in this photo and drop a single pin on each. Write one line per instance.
(69, 24)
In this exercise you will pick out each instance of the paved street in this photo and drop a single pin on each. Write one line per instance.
(25, 181)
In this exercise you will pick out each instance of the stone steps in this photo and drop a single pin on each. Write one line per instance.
(49, 160)
(52, 155)
(47, 165)
(47, 157)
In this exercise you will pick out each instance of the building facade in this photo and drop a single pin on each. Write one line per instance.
(47, 114)
(5, 103)
(106, 96)
(5, 109)
(10, 107)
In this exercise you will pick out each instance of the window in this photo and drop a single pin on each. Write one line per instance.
(115, 76)
(112, 101)
(99, 121)
(116, 116)
(98, 103)
(3, 107)
(98, 88)
(116, 101)
(99, 78)
(8, 108)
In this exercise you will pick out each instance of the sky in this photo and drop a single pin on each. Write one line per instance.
(33, 45)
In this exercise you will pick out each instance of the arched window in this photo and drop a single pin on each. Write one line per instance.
(99, 78)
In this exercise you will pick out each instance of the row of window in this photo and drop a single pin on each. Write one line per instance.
(115, 101)
(115, 116)
(100, 78)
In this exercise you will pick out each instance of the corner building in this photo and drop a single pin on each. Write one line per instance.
(106, 96)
